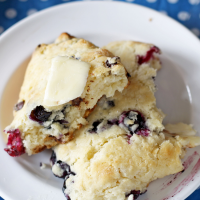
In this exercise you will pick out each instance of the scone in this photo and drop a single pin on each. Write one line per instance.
(62, 85)
(125, 146)
(115, 165)
(142, 62)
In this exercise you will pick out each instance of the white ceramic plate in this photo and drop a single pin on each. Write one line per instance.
(102, 22)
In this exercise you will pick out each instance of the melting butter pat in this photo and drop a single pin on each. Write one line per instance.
(67, 80)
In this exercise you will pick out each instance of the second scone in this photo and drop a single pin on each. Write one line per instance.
(124, 147)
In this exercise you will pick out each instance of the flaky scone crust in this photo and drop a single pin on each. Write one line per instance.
(102, 80)
(110, 163)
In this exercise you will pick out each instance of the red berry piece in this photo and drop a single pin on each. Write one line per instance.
(148, 56)
(15, 145)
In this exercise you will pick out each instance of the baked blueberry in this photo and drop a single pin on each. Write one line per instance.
(62, 121)
(95, 125)
(135, 194)
(39, 114)
(106, 103)
(60, 169)
(133, 122)
(53, 158)
(111, 103)
(112, 61)
(64, 188)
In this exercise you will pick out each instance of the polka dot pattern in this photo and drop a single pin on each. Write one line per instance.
(194, 2)
(11, 13)
(196, 31)
(172, 1)
(31, 11)
(1, 29)
(186, 12)
(163, 12)
(151, 1)
(183, 16)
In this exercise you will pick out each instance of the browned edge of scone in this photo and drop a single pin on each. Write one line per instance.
(50, 141)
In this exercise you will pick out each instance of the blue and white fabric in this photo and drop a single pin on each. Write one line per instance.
(186, 12)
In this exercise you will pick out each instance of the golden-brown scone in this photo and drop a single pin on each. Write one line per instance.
(141, 61)
(37, 126)
(113, 165)
(124, 146)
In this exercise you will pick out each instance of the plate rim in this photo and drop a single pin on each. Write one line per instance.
(49, 9)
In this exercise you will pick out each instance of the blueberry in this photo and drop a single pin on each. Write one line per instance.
(53, 158)
(112, 61)
(39, 114)
(77, 101)
(133, 122)
(135, 193)
(67, 196)
(111, 103)
(62, 166)
(108, 64)
(62, 121)
(15, 145)
(113, 122)
(64, 188)
(106, 103)
(95, 124)
(19, 105)
(65, 167)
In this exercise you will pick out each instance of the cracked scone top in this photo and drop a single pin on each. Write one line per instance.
(113, 166)
(124, 147)
(37, 126)
(141, 62)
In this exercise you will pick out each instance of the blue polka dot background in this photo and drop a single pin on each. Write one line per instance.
(187, 12)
